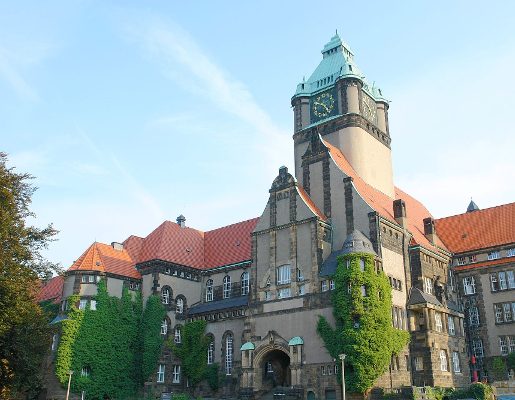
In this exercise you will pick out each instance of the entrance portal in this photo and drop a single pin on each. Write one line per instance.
(275, 369)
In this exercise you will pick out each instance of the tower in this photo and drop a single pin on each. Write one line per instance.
(338, 103)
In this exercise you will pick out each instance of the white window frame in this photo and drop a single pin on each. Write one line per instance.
(511, 344)
(469, 285)
(284, 275)
(477, 348)
(176, 377)
(85, 372)
(331, 284)
(450, 324)
(493, 255)
(269, 368)
(461, 260)
(268, 295)
(93, 305)
(83, 304)
(245, 283)
(438, 322)
(179, 305)
(91, 278)
(300, 276)
(498, 311)
(503, 345)
(474, 316)
(507, 312)
(302, 290)
(362, 264)
(511, 279)
(164, 327)
(209, 290)
(419, 363)
(428, 285)
(161, 373)
(456, 362)
(210, 352)
(443, 361)
(503, 284)
(177, 339)
(510, 252)
(228, 354)
(227, 287)
(55, 341)
(284, 293)
(165, 296)
(494, 283)
(323, 286)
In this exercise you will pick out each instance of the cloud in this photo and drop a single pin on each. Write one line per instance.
(9, 72)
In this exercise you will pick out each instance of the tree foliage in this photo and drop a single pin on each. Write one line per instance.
(362, 303)
(24, 331)
(192, 351)
(510, 360)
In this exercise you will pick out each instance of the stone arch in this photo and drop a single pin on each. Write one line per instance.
(279, 356)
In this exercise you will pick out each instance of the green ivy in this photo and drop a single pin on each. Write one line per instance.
(510, 360)
(364, 330)
(212, 377)
(477, 391)
(192, 351)
(151, 338)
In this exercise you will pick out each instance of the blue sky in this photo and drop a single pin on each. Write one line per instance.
(132, 113)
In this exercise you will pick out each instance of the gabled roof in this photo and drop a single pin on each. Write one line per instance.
(104, 258)
(229, 245)
(383, 204)
(51, 290)
(479, 229)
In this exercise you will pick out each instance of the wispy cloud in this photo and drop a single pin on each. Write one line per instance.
(11, 74)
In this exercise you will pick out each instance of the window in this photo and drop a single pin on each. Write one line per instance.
(473, 316)
(161, 373)
(228, 354)
(511, 344)
(511, 279)
(331, 284)
(443, 360)
(209, 290)
(85, 371)
(503, 285)
(91, 278)
(428, 285)
(362, 264)
(419, 364)
(245, 283)
(498, 313)
(55, 341)
(227, 286)
(165, 296)
(456, 362)
(93, 305)
(269, 368)
(511, 252)
(329, 370)
(302, 290)
(494, 282)
(503, 345)
(176, 374)
(211, 352)
(268, 295)
(504, 312)
(507, 312)
(438, 320)
(450, 323)
(493, 255)
(84, 279)
(177, 335)
(472, 259)
(300, 277)
(179, 305)
(347, 263)
(323, 286)
(283, 293)
(164, 327)
(460, 261)
(283, 275)
(477, 348)
(469, 285)
(82, 304)
(322, 369)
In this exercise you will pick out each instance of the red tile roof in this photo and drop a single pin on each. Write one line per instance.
(230, 244)
(51, 290)
(312, 206)
(104, 258)
(383, 204)
(479, 229)
(489, 263)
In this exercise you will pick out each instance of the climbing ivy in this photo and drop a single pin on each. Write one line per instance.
(362, 303)
(192, 351)
(151, 338)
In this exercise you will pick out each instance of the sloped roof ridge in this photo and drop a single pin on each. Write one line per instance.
(231, 225)
(309, 202)
(477, 212)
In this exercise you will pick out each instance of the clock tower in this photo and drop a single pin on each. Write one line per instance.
(338, 103)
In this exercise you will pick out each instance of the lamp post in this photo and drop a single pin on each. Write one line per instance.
(70, 372)
(342, 358)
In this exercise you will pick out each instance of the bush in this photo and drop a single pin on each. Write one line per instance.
(478, 391)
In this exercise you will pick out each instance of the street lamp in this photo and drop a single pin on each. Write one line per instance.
(342, 358)
(70, 372)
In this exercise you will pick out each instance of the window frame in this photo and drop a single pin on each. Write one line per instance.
(443, 361)
(245, 283)
(209, 290)
(176, 374)
(283, 274)
(227, 287)
(161, 373)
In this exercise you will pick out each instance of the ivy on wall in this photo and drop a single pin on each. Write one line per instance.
(152, 340)
(192, 351)
(362, 303)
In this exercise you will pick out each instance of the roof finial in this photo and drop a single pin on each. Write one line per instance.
(336, 32)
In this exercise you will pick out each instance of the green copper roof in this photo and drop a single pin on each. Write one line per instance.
(337, 62)
(247, 346)
(294, 341)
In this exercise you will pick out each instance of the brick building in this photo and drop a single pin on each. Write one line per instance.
(262, 283)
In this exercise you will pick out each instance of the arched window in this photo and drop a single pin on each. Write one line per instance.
(245, 283)
(211, 350)
(179, 305)
(166, 294)
(228, 353)
(177, 334)
(209, 290)
(164, 327)
(227, 286)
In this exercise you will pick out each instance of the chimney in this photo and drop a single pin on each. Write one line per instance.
(429, 229)
(181, 221)
(399, 212)
(117, 246)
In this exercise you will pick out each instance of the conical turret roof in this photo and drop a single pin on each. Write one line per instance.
(357, 242)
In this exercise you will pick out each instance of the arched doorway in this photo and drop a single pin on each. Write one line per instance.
(275, 369)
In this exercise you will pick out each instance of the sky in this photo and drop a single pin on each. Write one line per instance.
(131, 113)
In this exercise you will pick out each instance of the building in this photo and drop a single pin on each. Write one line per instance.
(261, 284)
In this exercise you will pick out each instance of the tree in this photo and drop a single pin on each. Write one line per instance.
(362, 303)
(192, 351)
(24, 332)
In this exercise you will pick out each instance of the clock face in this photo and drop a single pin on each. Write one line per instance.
(322, 105)
(368, 107)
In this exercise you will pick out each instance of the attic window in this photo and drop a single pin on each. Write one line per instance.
(350, 68)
